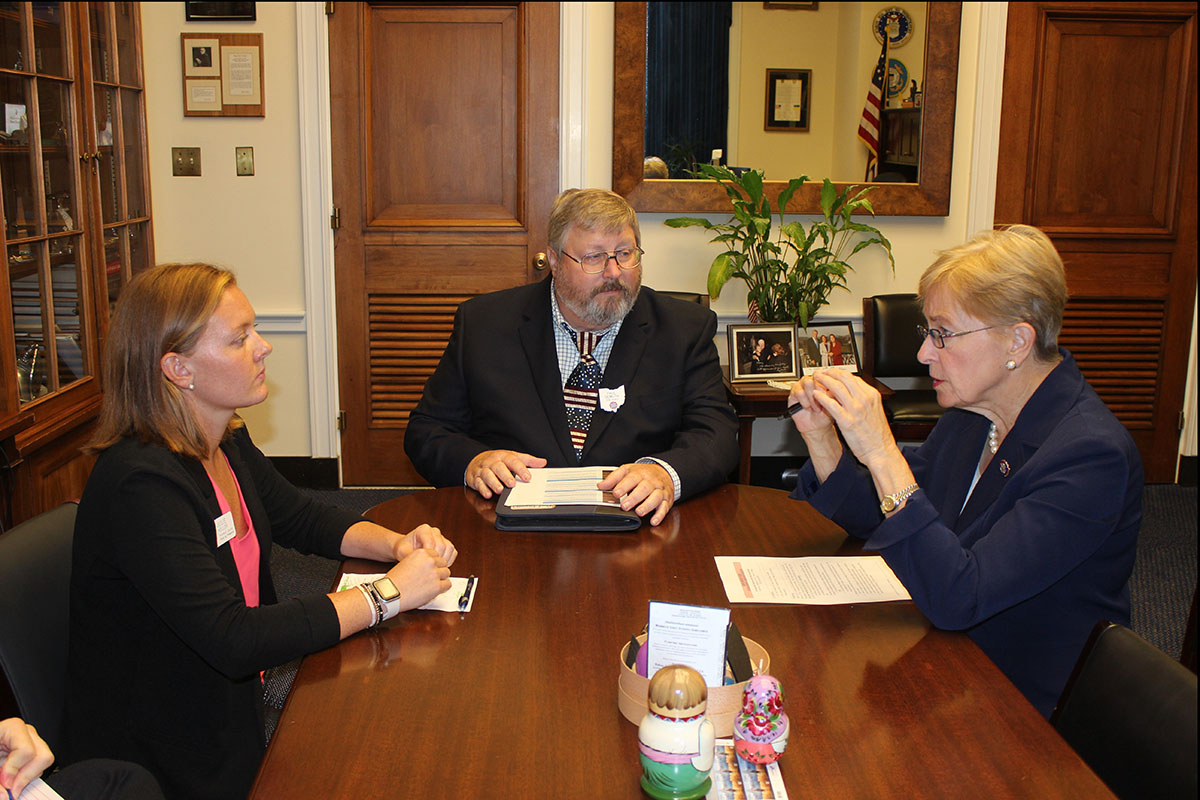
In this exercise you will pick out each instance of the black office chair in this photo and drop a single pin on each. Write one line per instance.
(1129, 711)
(35, 578)
(890, 345)
(689, 297)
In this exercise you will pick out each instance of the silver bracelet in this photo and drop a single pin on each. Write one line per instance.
(376, 612)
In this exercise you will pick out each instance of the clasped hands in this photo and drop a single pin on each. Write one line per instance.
(838, 398)
(644, 488)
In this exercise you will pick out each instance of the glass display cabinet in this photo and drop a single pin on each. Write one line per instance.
(76, 204)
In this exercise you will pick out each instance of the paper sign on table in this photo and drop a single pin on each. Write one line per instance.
(689, 635)
(811, 580)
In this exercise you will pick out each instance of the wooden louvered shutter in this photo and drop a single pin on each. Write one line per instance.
(1098, 148)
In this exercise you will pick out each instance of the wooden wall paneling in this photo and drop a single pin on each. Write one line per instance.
(444, 173)
(1098, 148)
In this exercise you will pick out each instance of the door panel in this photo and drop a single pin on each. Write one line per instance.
(444, 171)
(1097, 148)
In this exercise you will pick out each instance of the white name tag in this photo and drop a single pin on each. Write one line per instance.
(612, 399)
(225, 529)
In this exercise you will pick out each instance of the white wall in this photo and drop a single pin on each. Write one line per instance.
(251, 225)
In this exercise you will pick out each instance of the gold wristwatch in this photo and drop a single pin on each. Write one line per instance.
(891, 502)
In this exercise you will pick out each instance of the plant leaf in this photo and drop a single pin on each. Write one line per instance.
(719, 273)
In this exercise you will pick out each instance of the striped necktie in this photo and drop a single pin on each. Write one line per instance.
(582, 390)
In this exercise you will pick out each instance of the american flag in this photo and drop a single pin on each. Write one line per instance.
(868, 126)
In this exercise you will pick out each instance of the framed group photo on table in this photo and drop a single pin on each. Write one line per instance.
(762, 352)
(828, 345)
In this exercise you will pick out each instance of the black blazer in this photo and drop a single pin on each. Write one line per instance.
(498, 386)
(164, 656)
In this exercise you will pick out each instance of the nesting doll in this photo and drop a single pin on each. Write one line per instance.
(760, 731)
(675, 738)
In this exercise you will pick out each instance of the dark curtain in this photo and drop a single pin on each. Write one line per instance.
(687, 82)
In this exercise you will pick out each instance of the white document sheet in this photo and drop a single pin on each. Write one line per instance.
(562, 486)
(689, 635)
(38, 789)
(812, 580)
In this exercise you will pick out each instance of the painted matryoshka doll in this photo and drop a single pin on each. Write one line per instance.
(675, 738)
(760, 730)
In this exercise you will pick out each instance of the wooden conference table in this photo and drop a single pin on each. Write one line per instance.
(518, 698)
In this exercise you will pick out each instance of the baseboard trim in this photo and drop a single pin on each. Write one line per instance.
(1187, 470)
(308, 473)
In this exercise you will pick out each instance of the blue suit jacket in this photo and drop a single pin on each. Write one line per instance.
(498, 387)
(1038, 555)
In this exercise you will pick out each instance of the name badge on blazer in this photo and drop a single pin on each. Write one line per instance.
(225, 529)
(612, 399)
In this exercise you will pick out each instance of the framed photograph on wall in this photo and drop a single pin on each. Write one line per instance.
(787, 101)
(828, 345)
(762, 352)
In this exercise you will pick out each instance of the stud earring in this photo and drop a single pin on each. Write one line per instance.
(192, 386)
(1010, 365)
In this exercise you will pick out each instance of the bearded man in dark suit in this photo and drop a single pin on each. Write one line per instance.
(587, 367)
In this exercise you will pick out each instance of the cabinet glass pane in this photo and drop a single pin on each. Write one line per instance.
(126, 52)
(114, 275)
(12, 40)
(139, 253)
(16, 161)
(65, 279)
(131, 143)
(48, 29)
(58, 163)
(106, 116)
(25, 286)
(101, 46)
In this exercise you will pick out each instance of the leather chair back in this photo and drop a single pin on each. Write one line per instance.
(1129, 711)
(892, 351)
(35, 579)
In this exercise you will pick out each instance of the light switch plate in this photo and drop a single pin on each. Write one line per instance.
(185, 161)
(244, 160)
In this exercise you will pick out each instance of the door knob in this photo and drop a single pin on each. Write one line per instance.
(540, 262)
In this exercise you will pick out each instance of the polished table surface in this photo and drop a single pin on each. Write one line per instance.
(518, 698)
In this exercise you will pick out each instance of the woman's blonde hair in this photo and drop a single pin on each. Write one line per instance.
(1005, 277)
(591, 210)
(162, 310)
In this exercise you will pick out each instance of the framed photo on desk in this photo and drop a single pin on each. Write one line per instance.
(828, 345)
(762, 352)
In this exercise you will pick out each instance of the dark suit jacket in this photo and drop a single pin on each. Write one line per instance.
(498, 387)
(1038, 556)
(164, 656)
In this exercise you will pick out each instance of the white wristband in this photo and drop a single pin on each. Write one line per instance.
(375, 617)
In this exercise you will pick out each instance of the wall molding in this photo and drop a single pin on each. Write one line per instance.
(985, 133)
(288, 322)
(572, 92)
(316, 204)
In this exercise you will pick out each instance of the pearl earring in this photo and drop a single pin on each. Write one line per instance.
(1010, 365)
(192, 386)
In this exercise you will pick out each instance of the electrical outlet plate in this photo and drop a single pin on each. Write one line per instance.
(244, 160)
(185, 161)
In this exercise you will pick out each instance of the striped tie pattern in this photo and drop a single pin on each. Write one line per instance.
(581, 391)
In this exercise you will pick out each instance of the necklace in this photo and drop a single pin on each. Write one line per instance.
(993, 439)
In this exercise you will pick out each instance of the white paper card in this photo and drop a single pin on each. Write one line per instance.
(38, 789)
(562, 486)
(446, 601)
(690, 635)
(811, 580)
(225, 529)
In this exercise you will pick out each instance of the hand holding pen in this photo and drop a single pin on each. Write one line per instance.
(23, 755)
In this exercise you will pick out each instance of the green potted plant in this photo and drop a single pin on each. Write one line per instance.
(789, 275)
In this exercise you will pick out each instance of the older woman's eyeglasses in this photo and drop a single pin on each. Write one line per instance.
(939, 336)
(594, 263)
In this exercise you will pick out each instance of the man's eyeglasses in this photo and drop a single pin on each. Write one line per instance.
(594, 263)
(939, 336)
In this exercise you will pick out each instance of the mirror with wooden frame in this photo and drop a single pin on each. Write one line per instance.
(930, 196)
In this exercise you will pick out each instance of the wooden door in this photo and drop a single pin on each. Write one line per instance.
(445, 142)
(1098, 148)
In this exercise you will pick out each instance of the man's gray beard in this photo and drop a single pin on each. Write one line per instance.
(595, 313)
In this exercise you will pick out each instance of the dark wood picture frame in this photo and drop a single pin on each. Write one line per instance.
(745, 366)
(775, 119)
(220, 12)
(810, 354)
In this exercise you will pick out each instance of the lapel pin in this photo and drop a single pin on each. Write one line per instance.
(1004, 468)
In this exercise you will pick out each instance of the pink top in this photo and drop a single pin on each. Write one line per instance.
(245, 548)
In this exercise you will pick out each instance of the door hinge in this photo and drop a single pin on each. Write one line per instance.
(341, 420)
(329, 9)
(335, 219)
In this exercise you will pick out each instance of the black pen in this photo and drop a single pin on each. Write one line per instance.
(465, 598)
(792, 409)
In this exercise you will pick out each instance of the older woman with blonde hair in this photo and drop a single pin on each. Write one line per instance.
(1017, 519)
(173, 611)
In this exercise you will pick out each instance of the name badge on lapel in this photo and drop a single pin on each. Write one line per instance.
(612, 399)
(225, 529)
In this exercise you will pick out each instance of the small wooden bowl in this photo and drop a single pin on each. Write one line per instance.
(723, 701)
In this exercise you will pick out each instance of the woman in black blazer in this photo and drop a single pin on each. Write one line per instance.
(173, 611)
